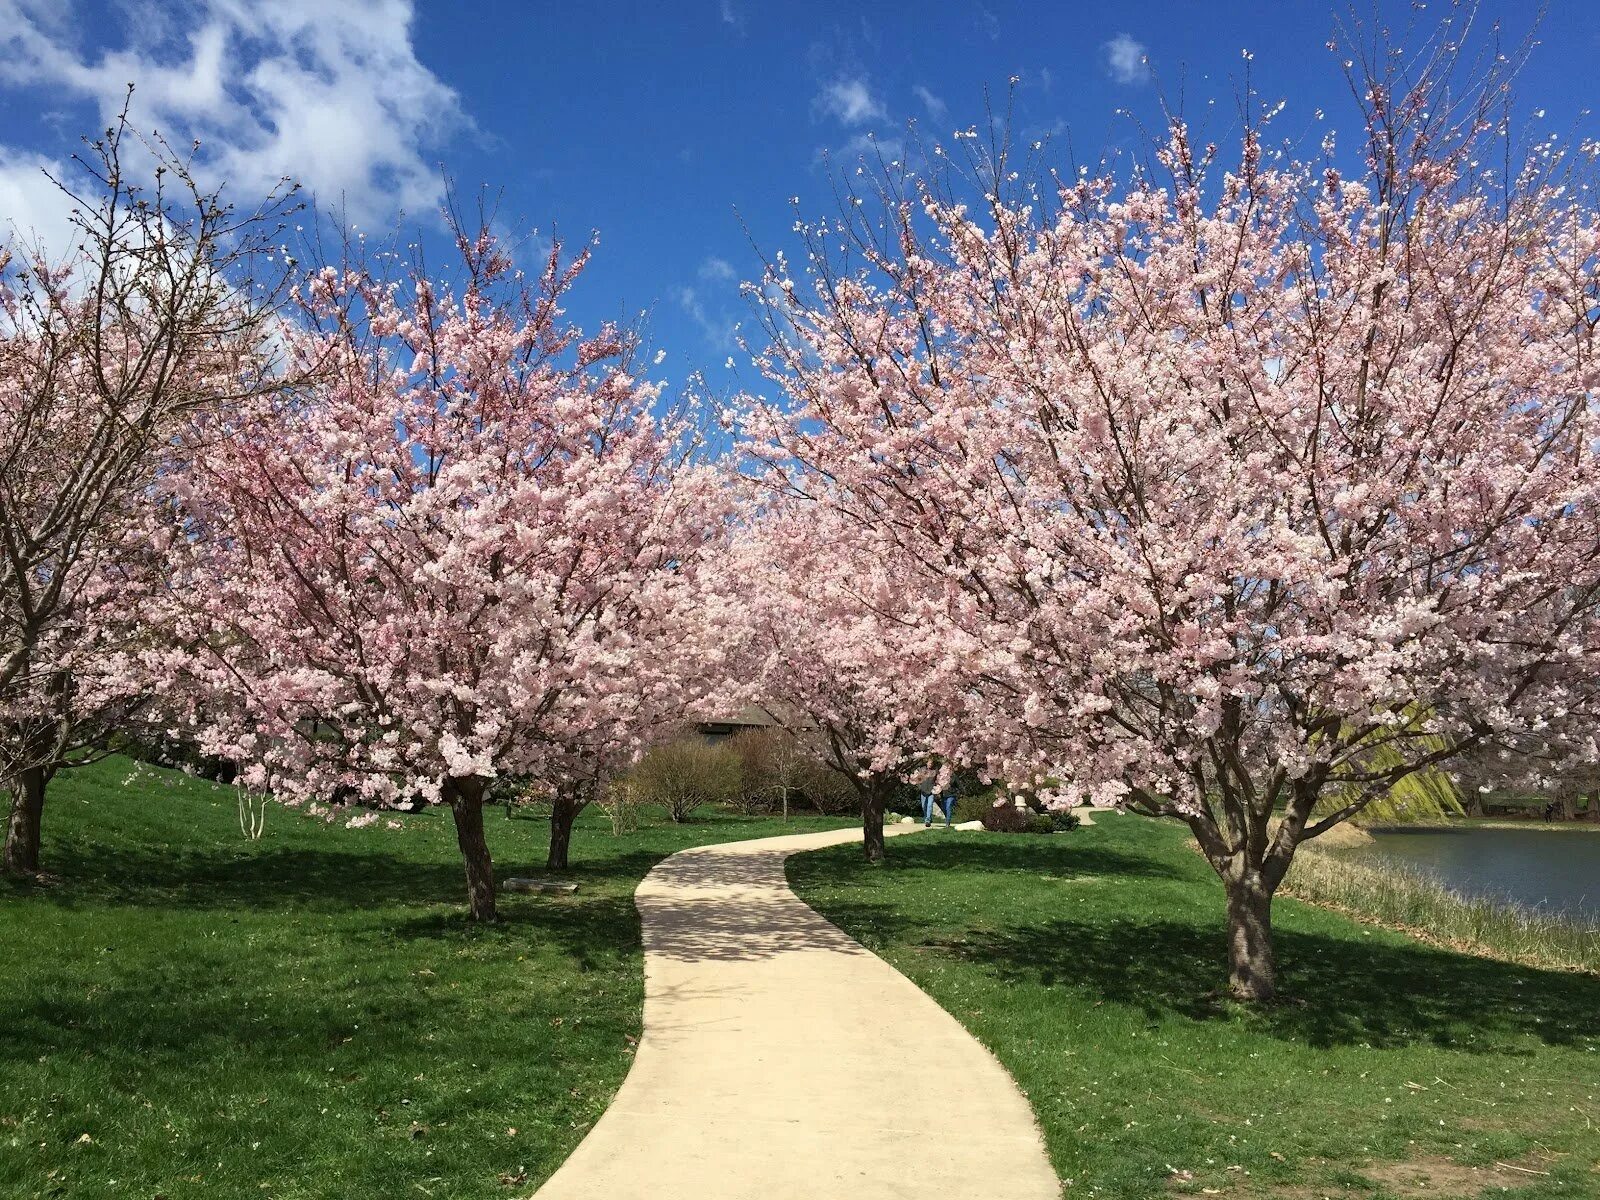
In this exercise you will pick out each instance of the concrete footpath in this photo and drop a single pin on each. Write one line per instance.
(782, 1061)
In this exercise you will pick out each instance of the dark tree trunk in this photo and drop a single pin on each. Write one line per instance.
(1569, 806)
(1252, 961)
(1474, 803)
(1593, 811)
(562, 814)
(466, 803)
(22, 830)
(872, 798)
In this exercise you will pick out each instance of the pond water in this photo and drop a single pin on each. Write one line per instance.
(1557, 870)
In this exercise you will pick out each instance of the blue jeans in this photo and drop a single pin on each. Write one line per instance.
(947, 805)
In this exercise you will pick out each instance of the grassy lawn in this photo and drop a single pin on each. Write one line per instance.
(1090, 962)
(188, 1014)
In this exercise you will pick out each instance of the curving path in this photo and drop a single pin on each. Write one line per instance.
(783, 1061)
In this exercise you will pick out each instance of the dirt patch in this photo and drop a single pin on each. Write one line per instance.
(1487, 1124)
(1442, 1177)
(1430, 1178)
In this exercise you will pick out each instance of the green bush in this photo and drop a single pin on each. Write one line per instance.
(975, 807)
(1007, 818)
(1063, 820)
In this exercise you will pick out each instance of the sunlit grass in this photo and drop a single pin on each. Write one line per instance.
(1093, 964)
(192, 1015)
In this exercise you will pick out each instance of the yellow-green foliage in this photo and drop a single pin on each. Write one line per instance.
(1423, 795)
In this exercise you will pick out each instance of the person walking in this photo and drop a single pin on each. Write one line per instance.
(931, 796)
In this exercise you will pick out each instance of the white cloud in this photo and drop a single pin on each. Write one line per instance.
(717, 270)
(721, 331)
(850, 101)
(1125, 59)
(33, 211)
(330, 92)
(935, 106)
(730, 14)
(871, 147)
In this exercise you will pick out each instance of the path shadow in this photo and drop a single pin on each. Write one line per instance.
(712, 867)
(733, 930)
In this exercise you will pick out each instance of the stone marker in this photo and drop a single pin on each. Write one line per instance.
(539, 885)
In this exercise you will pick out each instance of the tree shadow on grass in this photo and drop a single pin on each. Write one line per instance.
(258, 878)
(208, 994)
(1348, 988)
(1061, 856)
(591, 932)
(1334, 990)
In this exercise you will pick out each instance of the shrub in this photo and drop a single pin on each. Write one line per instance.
(1063, 820)
(682, 775)
(618, 802)
(1006, 818)
(974, 807)
(826, 790)
(766, 768)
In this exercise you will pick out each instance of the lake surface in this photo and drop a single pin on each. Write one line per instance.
(1558, 870)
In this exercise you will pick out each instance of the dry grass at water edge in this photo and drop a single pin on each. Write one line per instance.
(1416, 903)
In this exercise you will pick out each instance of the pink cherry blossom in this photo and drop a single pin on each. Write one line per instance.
(1239, 492)
(815, 634)
(466, 550)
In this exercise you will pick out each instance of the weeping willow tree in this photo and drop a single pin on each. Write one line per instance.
(1426, 795)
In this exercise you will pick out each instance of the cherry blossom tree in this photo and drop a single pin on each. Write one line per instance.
(1249, 489)
(815, 637)
(667, 683)
(458, 555)
(106, 348)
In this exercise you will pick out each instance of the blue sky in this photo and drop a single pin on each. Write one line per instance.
(668, 127)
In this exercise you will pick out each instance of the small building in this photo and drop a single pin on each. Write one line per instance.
(717, 729)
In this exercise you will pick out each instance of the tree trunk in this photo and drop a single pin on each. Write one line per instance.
(1252, 962)
(1569, 805)
(1474, 803)
(22, 830)
(872, 823)
(466, 803)
(563, 812)
(1593, 811)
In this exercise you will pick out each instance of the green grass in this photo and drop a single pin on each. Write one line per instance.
(188, 1014)
(1092, 964)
